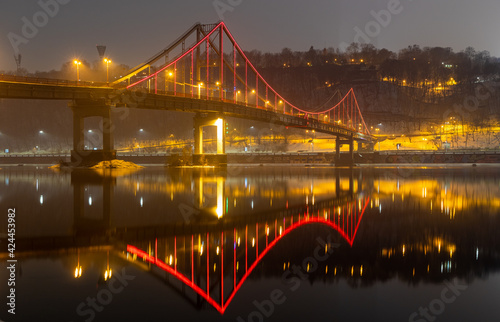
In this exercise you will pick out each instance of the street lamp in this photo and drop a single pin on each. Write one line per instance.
(236, 99)
(77, 63)
(256, 98)
(107, 61)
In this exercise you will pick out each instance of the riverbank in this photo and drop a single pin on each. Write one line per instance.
(383, 157)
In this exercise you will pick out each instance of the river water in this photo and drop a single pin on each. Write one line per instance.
(253, 243)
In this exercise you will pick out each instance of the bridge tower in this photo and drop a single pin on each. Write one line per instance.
(91, 108)
(200, 158)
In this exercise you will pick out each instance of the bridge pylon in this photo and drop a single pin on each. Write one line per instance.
(80, 155)
(345, 160)
(199, 157)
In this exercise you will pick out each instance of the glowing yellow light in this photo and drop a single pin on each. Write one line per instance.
(253, 242)
(107, 274)
(217, 250)
(78, 271)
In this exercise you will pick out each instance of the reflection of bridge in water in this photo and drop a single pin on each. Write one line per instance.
(210, 191)
(215, 264)
(215, 252)
(208, 259)
(203, 201)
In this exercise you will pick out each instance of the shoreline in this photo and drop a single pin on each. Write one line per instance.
(300, 159)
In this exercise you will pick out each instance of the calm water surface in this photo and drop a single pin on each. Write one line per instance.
(253, 244)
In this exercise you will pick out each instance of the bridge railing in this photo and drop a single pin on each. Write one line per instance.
(292, 112)
(50, 81)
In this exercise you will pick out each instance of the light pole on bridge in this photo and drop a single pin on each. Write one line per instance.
(107, 61)
(77, 63)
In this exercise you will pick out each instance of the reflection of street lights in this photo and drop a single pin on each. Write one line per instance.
(107, 272)
(78, 269)
(77, 63)
(107, 61)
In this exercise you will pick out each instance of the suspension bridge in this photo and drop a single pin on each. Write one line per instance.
(204, 72)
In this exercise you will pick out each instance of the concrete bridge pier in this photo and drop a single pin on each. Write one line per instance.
(80, 156)
(201, 158)
(344, 160)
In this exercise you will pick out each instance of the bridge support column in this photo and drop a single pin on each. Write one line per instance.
(351, 149)
(201, 158)
(80, 156)
(345, 160)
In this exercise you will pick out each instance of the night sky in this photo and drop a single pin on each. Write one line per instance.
(135, 30)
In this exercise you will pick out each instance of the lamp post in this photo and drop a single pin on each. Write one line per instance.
(107, 61)
(77, 63)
